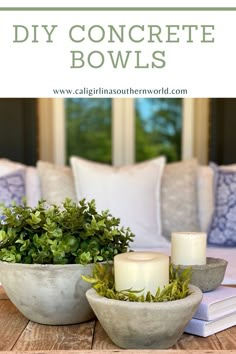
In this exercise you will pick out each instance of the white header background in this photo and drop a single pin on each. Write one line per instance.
(34, 69)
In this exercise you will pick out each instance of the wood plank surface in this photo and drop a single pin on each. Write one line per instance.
(101, 339)
(12, 324)
(190, 342)
(44, 337)
(19, 335)
(169, 351)
(227, 338)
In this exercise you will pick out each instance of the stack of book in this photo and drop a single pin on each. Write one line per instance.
(216, 312)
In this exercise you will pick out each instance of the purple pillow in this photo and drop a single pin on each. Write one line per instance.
(222, 230)
(12, 187)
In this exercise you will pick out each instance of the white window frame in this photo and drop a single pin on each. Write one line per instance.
(52, 138)
(123, 132)
(51, 124)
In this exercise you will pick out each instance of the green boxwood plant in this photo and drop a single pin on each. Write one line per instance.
(66, 234)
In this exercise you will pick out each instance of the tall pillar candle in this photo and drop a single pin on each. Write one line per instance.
(188, 248)
(141, 271)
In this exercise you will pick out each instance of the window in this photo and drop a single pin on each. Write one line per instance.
(143, 128)
(88, 128)
(128, 129)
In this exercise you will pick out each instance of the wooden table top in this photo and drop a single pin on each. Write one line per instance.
(18, 334)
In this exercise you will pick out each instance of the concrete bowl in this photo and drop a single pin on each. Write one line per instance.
(48, 294)
(143, 325)
(209, 276)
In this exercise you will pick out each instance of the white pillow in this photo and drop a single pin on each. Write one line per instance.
(131, 193)
(206, 194)
(32, 185)
(8, 166)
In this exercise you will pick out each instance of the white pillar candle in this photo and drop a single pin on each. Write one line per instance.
(188, 248)
(141, 271)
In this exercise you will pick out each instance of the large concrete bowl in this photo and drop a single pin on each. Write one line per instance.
(143, 325)
(48, 294)
(209, 276)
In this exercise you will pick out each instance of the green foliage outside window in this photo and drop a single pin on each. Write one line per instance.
(158, 128)
(88, 128)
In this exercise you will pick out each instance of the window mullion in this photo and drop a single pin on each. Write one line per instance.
(123, 131)
(188, 129)
(117, 131)
(59, 131)
(129, 131)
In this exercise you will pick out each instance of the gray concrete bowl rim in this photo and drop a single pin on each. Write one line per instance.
(211, 263)
(38, 266)
(195, 291)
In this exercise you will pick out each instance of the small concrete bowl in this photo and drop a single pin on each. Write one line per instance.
(209, 276)
(144, 325)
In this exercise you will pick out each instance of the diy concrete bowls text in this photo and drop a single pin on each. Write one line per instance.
(48, 294)
(144, 325)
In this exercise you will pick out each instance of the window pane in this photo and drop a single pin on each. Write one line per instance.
(88, 128)
(158, 128)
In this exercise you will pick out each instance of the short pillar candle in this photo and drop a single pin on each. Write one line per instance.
(188, 248)
(141, 271)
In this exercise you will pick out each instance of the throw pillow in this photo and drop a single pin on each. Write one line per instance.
(56, 182)
(131, 193)
(206, 193)
(7, 166)
(222, 230)
(32, 187)
(179, 208)
(12, 187)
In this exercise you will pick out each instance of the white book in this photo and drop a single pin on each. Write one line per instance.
(207, 328)
(217, 303)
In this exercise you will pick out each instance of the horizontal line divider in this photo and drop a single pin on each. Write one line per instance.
(118, 9)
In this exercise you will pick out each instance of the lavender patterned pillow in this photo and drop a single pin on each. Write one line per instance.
(12, 187)
(222, 230)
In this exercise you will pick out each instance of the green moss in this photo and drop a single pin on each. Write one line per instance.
(103, 282)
